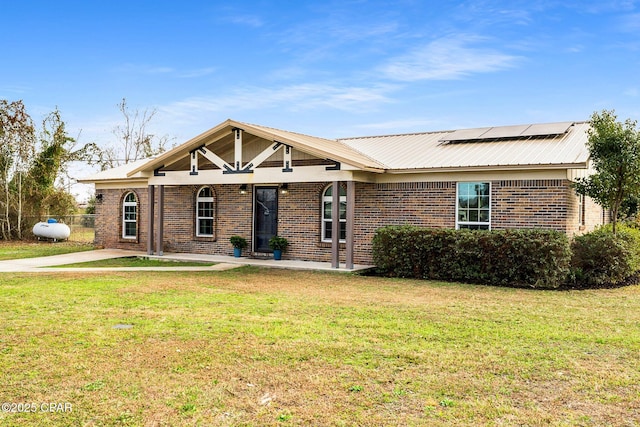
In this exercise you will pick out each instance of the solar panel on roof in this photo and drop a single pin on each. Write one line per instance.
(465, 134)
(504, 131)
(507, 132)
(547, 129)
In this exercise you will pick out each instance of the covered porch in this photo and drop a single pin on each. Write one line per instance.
(267, 218)
(261, 176)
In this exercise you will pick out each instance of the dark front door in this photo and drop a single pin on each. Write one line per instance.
(265, 222)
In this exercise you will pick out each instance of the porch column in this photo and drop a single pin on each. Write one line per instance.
(238, 148)
(160, 236)
(335, 225)
(351, 211)
(151, 196)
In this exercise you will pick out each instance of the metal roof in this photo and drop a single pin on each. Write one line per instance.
(320, 147)
(426, 151)
(539, 146)
(328, 148)
(117, 173)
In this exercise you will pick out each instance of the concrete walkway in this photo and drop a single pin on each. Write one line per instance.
(47, 264)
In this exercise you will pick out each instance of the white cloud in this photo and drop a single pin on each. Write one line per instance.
(575, 49)
(15, 89)
(164, 70)
(447, 59)
(291, 98)
(199, 72)
(248, 20)
(393, 125)
(632, 92)
(630, 23)
(600, 7)
(143, 69)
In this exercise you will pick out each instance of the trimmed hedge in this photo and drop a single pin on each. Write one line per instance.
(533, 258)
(602, 259)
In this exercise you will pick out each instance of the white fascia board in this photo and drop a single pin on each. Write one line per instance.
(259, 176)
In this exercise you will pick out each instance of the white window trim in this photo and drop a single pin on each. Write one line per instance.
(324, 221)
(198, 217)
(459, 223)
(125, 221)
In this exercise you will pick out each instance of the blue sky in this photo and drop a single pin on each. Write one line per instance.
(327, 68)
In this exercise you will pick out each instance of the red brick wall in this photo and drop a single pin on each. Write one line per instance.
(594, 216)
(426, 204)
(108, 225)
(514, 204)
(534, 204)
(300, 222)
(233, 213)
(549, 204)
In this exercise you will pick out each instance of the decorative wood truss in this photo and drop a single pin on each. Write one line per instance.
(238, 166)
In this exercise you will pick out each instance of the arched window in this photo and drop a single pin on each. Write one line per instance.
(327, 214)
(204, 212)
(130, 216)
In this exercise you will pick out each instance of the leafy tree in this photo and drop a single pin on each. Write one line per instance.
(56, 150)
(134, 141)
(91, 206)
(30, 167)
(615, 155)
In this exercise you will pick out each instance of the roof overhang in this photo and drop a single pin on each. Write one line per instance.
(319, 147)
(558, 166)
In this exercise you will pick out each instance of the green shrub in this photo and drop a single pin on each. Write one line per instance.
(536, 258)
(602, 259)
(238, 242)
(395, 250)
(278, 243)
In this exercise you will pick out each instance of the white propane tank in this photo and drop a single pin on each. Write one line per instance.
(52, 229)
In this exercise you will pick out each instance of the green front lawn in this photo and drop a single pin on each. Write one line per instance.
(32, 249)
(274, 347)
(136, 261)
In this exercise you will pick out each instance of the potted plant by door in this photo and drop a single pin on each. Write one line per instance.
(278, 244)
(239, 243)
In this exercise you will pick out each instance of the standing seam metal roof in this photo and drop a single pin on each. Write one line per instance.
(431, 151)
(409, 152)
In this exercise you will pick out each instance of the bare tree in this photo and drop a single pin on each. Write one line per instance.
(134, 139)
(17, 148)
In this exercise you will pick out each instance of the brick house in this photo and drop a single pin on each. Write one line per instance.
(255, 181)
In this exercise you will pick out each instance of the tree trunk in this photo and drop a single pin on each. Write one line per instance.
(6, 231)
(19, 219)
(614, 220)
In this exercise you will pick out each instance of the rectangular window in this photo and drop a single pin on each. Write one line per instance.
(473, 206)
(327, 214)
(205, 219)
(130, 221)
(582, 213)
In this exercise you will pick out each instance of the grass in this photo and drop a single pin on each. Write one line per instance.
(136, 262)
(32, 248)
(279, 348)
(82, 234)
